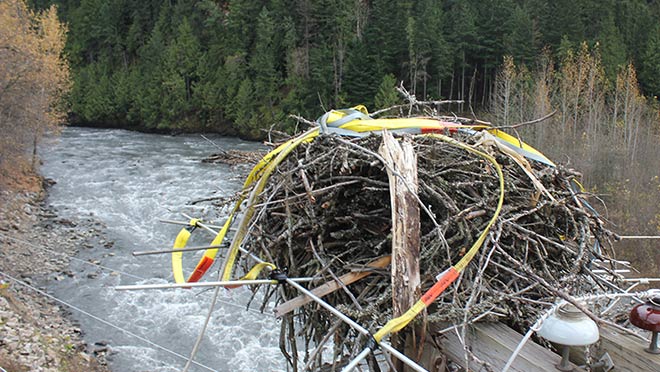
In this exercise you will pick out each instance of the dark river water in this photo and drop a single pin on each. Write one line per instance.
(128, 181)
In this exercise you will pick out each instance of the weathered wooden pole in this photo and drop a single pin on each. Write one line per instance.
(402, 173)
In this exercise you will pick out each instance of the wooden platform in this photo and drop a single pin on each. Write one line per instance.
(493, 343)
(627, 352)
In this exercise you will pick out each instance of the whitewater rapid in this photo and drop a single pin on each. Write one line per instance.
(127, 181)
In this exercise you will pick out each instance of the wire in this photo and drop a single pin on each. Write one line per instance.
(114, 270)
(151, 343)
(71, 257)
(536, 326)
(190, 359)
(214, 299)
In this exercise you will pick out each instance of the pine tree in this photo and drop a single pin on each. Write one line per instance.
(462, 19)
(179, 69)
(386, 95)
(240, 24)
(263, 63)
(296, 73)
(612, 49)
(244, 113)
(650, 76)
(633, 19)
(148, 92)
(362, 76)
(430, 37)
(564, 19)
(384, 38)
(519, 41)
(304, 54)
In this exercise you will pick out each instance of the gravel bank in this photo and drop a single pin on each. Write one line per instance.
(36, 333)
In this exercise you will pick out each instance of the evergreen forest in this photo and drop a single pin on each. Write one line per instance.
(239, 66)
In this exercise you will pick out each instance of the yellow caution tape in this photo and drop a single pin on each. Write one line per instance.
(525, 149)
(257, 269)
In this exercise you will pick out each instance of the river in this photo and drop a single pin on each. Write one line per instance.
(127, 181)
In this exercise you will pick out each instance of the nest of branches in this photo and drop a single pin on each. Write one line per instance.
(234, 157)
(326, 212)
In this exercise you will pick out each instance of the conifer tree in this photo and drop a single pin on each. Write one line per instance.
(519, 41)
(463, 25)
(318, 54)
(430, 37)
(179, 76)
(264, 65)
(362, 76)
(611, 47)
(651, 63)
(148, 90)
(386, 95)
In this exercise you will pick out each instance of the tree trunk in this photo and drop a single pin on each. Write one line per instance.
(483, 92)
(451, 86)
(405, 235)
(462, 97)
(35, 144)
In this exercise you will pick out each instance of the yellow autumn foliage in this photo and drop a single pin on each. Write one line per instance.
(34, 76)
(609, 131)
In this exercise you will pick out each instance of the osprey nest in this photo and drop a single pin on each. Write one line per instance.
(325, 212)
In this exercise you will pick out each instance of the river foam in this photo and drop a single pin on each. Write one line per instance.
(128, 181)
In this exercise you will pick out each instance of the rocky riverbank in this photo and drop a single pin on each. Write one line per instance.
(36, 333)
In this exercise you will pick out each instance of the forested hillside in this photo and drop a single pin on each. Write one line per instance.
(237, 66)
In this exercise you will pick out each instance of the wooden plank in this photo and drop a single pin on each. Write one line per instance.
(494, 343)
(627, 351)
(332, 286)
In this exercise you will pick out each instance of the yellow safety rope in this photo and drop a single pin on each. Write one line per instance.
(262, 171)
(446, 278)
(255, 174)
(180, 243)
(283, 152)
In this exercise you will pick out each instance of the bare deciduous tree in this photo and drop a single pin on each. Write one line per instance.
(609, 132)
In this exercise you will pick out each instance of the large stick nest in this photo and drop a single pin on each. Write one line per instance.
(537, 251)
